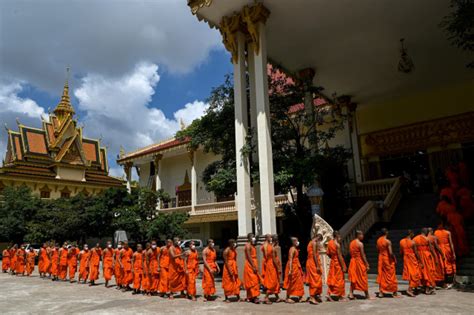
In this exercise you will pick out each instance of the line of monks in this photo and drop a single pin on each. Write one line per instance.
(428, 259)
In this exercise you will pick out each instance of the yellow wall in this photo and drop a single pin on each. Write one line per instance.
(422, 106)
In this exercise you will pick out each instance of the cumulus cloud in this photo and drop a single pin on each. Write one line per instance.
(117, 109)
(40, 38)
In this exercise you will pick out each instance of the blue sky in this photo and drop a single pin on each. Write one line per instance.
(138, 67)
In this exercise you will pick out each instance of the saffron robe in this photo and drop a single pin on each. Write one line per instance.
(127, 266)
(84, 264)
(386, 277)
(427, 267)
(293, 282)
(137, 270)
(153, 273)
(5, 260)
(30, 262)
(94, 265)
(270, 275)
(335, 280)
(445, 246)
(164, 270)
(72, 262)
(411, 268)
(192, 265)
(20, 261)
(313, 277)
(108, 263)
(63, 263)
(54, 262)
(43, 261)
(118, 272)
(231, 283)
(177, 277)
(251, 278)
(357, 272)
(208, 282)
(438, 259)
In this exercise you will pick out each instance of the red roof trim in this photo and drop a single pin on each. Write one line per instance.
(155, 148)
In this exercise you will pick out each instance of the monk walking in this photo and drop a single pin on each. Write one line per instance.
(73, 252)
(411, 267)
(446, 245)
(191, 266)
(438, 258)
(164, 268)
(210, 270)
(386, 277)
(337, 268)
(84, 257)
(21, 261)
(63, 251)
(6, 260)
(117, 267)
(230, 276)
(152, 261)
(358, 267)
(108, 263)
(293, 282)
(30, 261)
(54, 257)
(313, 270)
(251, 276)
(13, 259)
(126, 266)
(427, 267)
(94, 263)
(177, 276)
(138, 269)
(43, 260)
(271, 281)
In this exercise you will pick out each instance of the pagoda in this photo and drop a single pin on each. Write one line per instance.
(56, 160)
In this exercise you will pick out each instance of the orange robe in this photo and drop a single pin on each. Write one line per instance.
(164, 270)
(63, 263)
(108, 263)
(72, 262)
(137, 270)
(30, 262)
(21, 261)
(335, 280)
(427, 267)
(445, 246)
(94, 265)
(386, 277)
(293, 282)
(458, 234)
(251, 278)
(84, 265)
(41, 261)
(269, 272)
(146, 283)
(177, 277)
(192, 265)
(54, 262)
(154, 275)
(313, 277)
(127, 266)
(208, 283)
(13, 260)
(439, 261)
(357, 272)
(411, 268)
(448, 192)
(443, 208)
(118, 272)
(231, 284)
(6, 260)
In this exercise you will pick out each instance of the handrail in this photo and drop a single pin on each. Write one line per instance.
(379, 187)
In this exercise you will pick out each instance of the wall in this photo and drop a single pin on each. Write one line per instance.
(144, 174)
(173, 170)
(202, 161)
(422, 106)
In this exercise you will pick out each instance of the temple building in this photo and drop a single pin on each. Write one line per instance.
(56, 161)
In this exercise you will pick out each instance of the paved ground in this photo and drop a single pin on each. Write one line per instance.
(32, 295)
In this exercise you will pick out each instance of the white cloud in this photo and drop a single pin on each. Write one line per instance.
(40, 38)
(117, 109)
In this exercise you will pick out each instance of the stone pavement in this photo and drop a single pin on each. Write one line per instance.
(32, 295)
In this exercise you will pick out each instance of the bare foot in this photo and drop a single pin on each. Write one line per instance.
(313, 301)
(290, 301)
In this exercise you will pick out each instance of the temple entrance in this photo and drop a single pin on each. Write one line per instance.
(183, 192)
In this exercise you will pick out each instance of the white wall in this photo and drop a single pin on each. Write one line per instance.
(202, 161)
(173, 170)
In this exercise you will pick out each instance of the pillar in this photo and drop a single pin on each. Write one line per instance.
(356, 148)
(128, 175)
(242, 200)
(348, 145)
(265, 156)
(158, 175)
(192, 156)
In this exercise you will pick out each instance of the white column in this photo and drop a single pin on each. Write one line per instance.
(348, 145)
(355, 149)
(158, 178)
(128, 175)
(244, 214)
(265, 156)
(193, 181)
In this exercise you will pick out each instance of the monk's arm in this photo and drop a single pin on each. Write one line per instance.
(290, 261)
(362, 253)
(158, 257)
(438, 249)
(204, 258)
(249, 259)
(451, 245)
(315, 255)
(120, 259)
(145, 271)
(226, 261)
(340, 258)
(274, 259)
(433, 254)
(186, 264)
(390, 251)
(415, 249)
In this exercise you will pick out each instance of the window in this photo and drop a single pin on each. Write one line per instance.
(44, 194)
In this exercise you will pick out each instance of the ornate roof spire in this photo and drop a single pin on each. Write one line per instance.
(64, 107)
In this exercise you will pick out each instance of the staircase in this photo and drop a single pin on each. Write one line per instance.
(466, 264)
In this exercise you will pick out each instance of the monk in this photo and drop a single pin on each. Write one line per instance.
(164, 268)
(446, 245)
(30, 261)
(386, 276)
(276, 253)
(456, 222)
(337, 268)
(73, 252)
(230, 276)
(63, 251)
(54, 257)
(427, 267)
(251, 276)
(43, 260)
(293, 282)
(13, 259)
(210, 270)
(6, 260)
(84, 257)
(126, 266)
(445, 206)
(138, 268)
(313, 269)
(271, 282)
(191, 268)
(94, 263)
(447, 193)
(358, 267)
(21, 261)
(177, 276)
(411, 268)
(152, 262)
(117, 268)
(108, 263)
(438, 258)
(146, 277)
